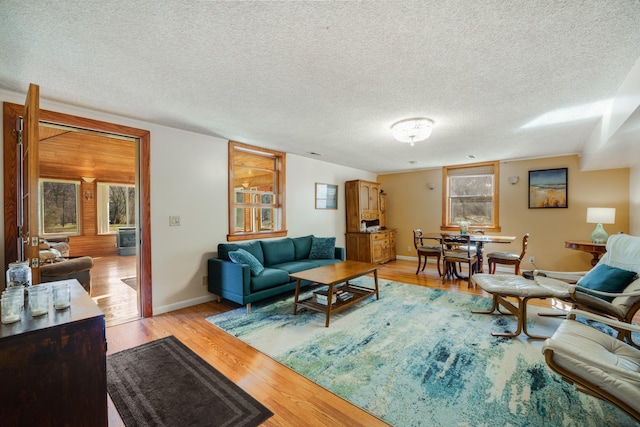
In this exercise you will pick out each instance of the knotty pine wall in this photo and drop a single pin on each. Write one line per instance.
(73, 155)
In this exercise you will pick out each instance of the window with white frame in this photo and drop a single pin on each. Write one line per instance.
(116, 204)
(471, 194)
(59, 202)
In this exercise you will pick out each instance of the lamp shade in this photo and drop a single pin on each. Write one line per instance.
(412, 130)
(601, 215)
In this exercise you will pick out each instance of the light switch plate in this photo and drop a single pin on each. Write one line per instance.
(174, 220)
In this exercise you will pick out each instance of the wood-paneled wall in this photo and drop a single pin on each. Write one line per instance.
(72, 155)
(66, 154)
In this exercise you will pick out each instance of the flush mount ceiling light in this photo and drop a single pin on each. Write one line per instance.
(412, 130)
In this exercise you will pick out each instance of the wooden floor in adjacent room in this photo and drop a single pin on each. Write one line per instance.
(117, 300)
(294, 400)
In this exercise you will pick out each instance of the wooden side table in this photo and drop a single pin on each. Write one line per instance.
(595, 249)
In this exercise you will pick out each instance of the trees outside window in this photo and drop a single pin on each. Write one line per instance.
(59, 206)
(116, 207)
(471, 194)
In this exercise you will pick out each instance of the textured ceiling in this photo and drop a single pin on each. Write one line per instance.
(330, 77)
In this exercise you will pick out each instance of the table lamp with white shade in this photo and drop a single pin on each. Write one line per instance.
(600, 216)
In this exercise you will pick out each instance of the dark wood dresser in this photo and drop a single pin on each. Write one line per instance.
(53, 367)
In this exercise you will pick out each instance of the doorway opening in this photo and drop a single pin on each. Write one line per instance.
(93, 152)
(102, 169)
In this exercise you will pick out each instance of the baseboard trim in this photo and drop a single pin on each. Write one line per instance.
(183, 304)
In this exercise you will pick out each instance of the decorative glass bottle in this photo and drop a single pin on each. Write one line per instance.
(19, 274)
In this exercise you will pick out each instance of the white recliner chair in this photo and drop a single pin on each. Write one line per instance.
(597, 363)
(611, 288)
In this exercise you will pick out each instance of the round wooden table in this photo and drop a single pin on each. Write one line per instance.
(595, 249)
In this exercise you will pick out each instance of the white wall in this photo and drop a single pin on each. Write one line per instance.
(302, 217)
(634, 201)
(189, 179)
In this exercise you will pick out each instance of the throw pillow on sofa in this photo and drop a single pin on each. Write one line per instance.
(302, 247)
(241, 256)
(322, 248)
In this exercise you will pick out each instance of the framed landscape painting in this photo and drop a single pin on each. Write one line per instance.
(548, 188)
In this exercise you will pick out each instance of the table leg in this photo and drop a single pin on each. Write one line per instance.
(480, 267)
(329, 303)
(375, 279)
(295, 299)
(450, 270)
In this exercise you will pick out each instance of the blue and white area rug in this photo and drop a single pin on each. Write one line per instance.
(419, 357)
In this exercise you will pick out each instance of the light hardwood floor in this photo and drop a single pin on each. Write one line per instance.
(117, 300)
(294, 400)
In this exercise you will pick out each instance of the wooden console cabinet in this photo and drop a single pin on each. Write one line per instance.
(365, 203)
(375, 247)
(53, 367)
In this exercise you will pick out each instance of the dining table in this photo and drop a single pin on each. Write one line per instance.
(479, 239)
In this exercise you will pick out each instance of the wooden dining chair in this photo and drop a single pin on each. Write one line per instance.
(425, 251)
(474, 246)
(457, 250)
(508, 258)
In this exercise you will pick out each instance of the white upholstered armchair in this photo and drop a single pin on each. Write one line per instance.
(611, 288)
(597, 363)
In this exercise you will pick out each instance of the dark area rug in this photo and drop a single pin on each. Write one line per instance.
(131, 282)
(164, 383)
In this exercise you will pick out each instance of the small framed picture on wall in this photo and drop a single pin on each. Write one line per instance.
(548, 188)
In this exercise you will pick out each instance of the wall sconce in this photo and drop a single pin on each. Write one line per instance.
(88, 180)
(513, 180)
(431, 185)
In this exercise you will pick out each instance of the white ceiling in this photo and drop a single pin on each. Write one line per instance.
(330, 77)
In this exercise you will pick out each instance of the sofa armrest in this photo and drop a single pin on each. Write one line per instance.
(75, 268)
(66, 267)
(339, 254)
(229, 280)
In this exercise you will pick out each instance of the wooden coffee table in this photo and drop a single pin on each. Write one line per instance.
(332, 275)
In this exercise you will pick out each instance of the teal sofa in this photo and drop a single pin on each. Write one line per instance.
(244, 283)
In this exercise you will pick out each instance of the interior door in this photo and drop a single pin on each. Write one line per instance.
(28, 175)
